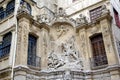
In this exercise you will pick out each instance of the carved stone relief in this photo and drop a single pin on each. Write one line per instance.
(94, 30)
(43, 18)
(60, 12)
(81, 20)
(23, 8)
(69, 56)
(67, 75)
(106, 36)
(54, 62)
(22, 38)
(61, 30)
(83, 44)
(105, 30)
(25, 36)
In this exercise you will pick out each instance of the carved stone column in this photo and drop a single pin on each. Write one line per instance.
(108, 42)
(44, 48)
(22, 41)
(83, 48)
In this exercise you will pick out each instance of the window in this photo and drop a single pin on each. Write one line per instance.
(95, 13)
(5, 45)
(1, 13)
(116, 18)
(10, 7)
(99, 54)
(32, 50)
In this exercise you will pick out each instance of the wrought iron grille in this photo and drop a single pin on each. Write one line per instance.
(95, 13)
(99, 60)
(5, 45)
(33, 60)
(2, 13)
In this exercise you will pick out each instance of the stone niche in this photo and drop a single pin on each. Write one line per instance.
(63, 51)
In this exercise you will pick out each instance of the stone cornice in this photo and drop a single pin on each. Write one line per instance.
(7, 69)
(107, 69)
(87, 25)
(32, 21)
(88, 74)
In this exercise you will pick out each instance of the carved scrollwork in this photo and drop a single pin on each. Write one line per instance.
(81, 20)
(104, 9)
(43, 18)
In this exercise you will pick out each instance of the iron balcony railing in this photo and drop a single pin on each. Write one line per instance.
(34, 61)
(99, 61)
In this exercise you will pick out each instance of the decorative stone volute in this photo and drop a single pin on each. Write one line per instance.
(104, 10)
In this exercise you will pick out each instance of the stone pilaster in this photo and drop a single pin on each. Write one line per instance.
(44, 48)
(115, 75)
(20, 75)
(111, 55)
(22, 41)
(84, 49)
(12, 47)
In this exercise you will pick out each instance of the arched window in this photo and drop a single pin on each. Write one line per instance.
(98, 49)
(5, 45)
(10, 7)
(1, 13)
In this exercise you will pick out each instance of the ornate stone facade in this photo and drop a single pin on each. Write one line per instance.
(61, 44)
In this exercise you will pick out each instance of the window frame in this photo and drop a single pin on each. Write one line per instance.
(6, 45)
(32, 52)
(95, 13)
(99, 56)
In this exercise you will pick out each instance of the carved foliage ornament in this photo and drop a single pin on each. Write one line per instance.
(81, 20)
(68, 56)
(43, 18)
